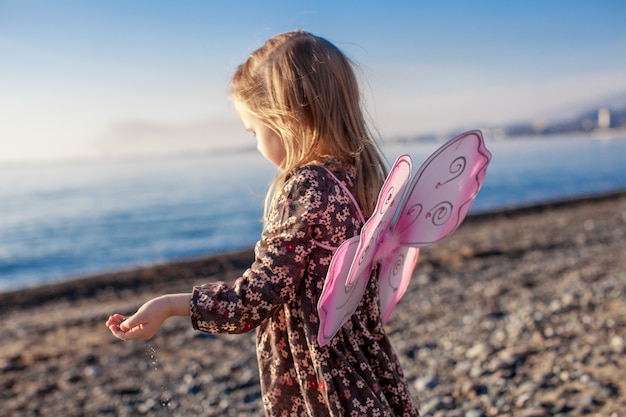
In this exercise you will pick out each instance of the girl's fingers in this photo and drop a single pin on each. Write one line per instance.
(114, 323)
(116, 317)
(130, 323)
(125, 329)
(114, 328)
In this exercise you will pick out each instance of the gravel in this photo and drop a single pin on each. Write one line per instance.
(520, 313)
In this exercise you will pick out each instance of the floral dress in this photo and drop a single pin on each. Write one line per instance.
(356, 373)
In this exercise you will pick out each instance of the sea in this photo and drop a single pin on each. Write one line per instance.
(71, 219)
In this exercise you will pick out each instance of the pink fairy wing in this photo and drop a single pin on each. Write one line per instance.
(437, 201)
(442, 191)
(352, 263)
(338, 300)
(377, 226)
(393, 278)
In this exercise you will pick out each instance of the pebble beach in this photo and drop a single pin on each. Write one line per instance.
(521, 312)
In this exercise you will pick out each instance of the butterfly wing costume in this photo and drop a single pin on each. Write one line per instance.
(407, 216)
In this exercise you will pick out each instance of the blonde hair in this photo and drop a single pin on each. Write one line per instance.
(305, 89)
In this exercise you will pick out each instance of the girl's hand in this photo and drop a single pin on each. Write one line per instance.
(147, 320)
(143, 324)
(114, 322)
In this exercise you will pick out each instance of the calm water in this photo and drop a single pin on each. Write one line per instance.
(60, 221)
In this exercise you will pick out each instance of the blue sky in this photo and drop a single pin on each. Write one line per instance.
(106, 78)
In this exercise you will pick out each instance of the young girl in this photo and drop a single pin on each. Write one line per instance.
(299, 96)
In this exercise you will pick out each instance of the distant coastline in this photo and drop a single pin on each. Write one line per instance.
(597, 122)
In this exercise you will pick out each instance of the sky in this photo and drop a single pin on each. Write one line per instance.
(91, 79)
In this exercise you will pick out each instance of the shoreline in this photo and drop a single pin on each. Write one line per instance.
(215, 263)
(521, 312)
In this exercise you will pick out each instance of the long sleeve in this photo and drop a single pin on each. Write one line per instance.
(275, 275)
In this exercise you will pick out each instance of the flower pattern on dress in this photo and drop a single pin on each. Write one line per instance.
(357, 373)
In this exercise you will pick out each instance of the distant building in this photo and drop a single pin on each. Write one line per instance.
(604, 119)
